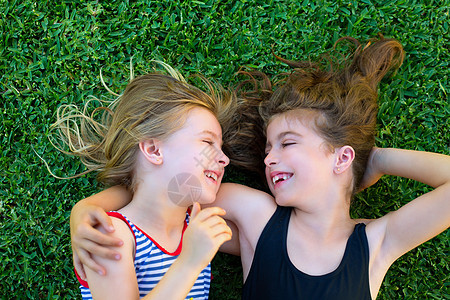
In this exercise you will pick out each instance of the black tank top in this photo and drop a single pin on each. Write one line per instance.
(273, 276)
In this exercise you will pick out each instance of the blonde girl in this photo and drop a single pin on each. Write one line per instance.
(150, 142)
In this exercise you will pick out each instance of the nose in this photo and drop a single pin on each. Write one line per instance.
(270, 159)
(222, 159)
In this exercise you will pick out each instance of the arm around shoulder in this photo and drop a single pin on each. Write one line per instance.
(120, 281)
(112, 198)
(91, 211)
(86, 240)
(242, 202)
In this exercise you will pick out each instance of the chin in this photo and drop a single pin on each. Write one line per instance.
(207, 199)
(283, 201)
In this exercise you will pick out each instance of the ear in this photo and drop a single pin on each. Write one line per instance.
(344, 158)
(151, 149)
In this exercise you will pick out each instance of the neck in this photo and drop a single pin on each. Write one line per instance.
(151, 209)
(329, 217)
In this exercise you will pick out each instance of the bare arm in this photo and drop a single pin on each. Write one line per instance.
(427, 215)
(249, 210)
(89, 213)
(245, 207)
(205, 233)
(243, 203)
(118, 274)
(232, 246)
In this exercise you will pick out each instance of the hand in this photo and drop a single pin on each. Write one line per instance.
(372, 173)
(87, 226)
(206, 232)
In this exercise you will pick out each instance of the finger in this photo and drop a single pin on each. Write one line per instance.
(95, 249)
(195, 209)
(78, 266)
(103, 220)
(87, 261)
(220, 239)
(220, 229)
(214, 221)
(86, 232)
(210, 211)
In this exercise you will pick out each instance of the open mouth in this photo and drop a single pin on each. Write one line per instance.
(281, 177)
(211, 175)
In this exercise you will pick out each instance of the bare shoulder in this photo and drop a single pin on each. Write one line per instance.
(120, 278)
(378, 262)
(239, 191)
(121, 231)
(242, 202)
(243, 191)
(375, 231)
(250, 210)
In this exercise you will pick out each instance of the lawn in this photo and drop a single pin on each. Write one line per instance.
(51, 53)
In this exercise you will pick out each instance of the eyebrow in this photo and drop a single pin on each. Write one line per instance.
(283, 134)
(214, 135)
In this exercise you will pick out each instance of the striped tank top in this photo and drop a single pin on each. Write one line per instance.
(152, 261)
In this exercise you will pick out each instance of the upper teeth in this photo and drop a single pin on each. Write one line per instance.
(211, 175)
(278, 177)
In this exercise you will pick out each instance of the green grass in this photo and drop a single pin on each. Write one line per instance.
(51, 53)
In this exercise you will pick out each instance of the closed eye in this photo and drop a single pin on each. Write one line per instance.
(208, 142)
(286, 144)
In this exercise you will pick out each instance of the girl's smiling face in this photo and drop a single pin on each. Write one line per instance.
(298, 162)
(196, 150)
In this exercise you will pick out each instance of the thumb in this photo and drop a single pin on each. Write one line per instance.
(195, 210)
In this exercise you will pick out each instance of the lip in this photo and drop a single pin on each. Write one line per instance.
(275, 175)
(217, 174)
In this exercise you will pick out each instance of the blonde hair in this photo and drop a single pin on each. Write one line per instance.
(154, 105)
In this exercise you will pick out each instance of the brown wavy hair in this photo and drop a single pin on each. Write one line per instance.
(154, 105)
(343, 95)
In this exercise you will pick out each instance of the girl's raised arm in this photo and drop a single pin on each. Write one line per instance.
(201, 240)
(86, 239)
(427, 215)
